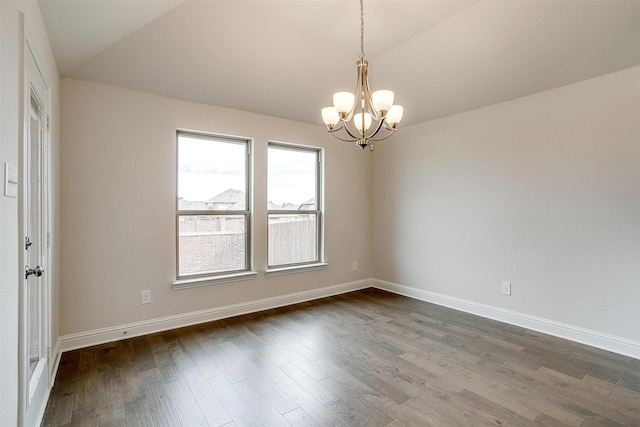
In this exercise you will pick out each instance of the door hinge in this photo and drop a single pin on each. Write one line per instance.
(48, 122)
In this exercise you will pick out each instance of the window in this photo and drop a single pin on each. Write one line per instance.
(213, 205)
(294, 205)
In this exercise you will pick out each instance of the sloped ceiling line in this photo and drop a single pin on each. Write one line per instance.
(286, 58)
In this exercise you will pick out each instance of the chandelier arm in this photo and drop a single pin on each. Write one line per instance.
(366, 92)
(342, 139)
(377, 129)
(336, 128)
(391, 132)
(358, 93)
(389, 127)
(357, 136)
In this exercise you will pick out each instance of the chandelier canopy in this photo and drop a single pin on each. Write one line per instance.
(363, 117)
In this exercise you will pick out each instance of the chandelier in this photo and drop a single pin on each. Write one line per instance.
(364, 117)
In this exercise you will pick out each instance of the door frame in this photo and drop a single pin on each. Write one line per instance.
(33, 403)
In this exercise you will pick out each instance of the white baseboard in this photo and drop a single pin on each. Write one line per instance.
(597, 339)
(119, 332)
(592, 338)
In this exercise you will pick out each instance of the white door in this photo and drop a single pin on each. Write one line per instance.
(34, 363)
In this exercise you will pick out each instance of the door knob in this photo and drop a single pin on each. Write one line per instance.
(37, 271)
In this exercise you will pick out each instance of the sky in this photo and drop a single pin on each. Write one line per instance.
(207, 168)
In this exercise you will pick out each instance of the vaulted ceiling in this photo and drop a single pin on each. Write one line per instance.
(286, 58)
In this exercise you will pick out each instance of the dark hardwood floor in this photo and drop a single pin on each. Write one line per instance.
(366, 358)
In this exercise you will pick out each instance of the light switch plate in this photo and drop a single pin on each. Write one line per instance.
(10, 180)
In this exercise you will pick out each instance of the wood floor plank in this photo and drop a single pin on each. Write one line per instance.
(265, 365)
(315, 409)
(362, 406)
(494, 392)
(149, 376)
(503, 415)
(308, 383)
(233, 368)
(298, 417)
(212, 408)
(132, 390)
(142, 353)
(368, 374)
(163, 357)
(156, 342)
(630, 381)
(199, 355)
(260, 404)
(88, 392)
(560, 396)
(233, 402)
(366, 358)
(59, 410)
(273, 393)
(160, 405)
(309, 367)
(170, 373)
(185, 404)
(111, 409)
(89, 357)
(85, 417)
(137, 414)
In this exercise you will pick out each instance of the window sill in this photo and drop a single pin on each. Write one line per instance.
(213, 280)
(295, 269)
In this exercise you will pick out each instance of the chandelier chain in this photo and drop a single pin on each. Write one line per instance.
(361, 29)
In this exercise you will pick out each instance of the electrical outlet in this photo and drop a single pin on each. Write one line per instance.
(506, 288)
(355, 266)
(145, 297)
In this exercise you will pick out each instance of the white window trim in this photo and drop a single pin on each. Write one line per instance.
(212, 278)
(277, 270)
(303, 268)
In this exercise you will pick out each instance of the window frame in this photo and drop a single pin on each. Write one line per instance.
(319, 262)
(211, 277)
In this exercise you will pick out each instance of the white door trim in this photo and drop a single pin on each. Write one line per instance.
(33, 394)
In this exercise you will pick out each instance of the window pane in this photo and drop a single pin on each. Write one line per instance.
(211, 243)
(292, 178)
(292, 239)
(211, 173)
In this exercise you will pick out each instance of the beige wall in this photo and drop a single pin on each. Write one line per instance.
(118, 174)
(10, 271)
(542, 192)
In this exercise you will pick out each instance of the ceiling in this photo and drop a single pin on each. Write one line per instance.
(286, 58)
